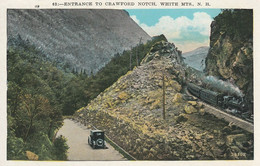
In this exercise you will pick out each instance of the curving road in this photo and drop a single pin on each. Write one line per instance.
(77, 140)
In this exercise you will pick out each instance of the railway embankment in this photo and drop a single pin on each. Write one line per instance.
(241, 123)
(131, 113)
(230, 118)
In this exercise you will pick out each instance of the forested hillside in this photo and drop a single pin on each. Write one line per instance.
(40, 93)
(34, 105)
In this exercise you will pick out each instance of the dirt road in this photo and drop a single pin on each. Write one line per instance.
(77, 140)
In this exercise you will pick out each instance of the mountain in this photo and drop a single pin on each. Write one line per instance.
(82, 40)
(131, 113)
(230, 55)
(196, 58)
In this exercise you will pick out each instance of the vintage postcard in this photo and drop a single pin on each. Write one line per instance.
(111, 82)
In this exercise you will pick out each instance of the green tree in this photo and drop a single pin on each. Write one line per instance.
(34, 98)
(15, 145)
(60, 150)
(32, 110)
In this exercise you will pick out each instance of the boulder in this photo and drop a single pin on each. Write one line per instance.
(181, 118)
(198, 136)
(236, 138)
(193, 103)
(31, 156)
(189, 109)
(202, 112)
(199, 105)
(220, 143)
(145, 151)
(177, 98)
(153, 151)
(210, 137)
(123, 96)
(156, 104)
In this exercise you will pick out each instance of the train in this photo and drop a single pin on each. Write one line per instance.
(232, 104)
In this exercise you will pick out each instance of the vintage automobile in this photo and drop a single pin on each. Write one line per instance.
(97, 139)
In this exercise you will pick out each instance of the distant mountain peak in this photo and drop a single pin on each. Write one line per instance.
(196, 58)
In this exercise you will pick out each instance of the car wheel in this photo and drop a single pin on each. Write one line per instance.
(89, 141)
(100, 142)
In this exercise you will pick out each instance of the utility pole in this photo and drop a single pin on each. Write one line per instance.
(137, 62)
(164, 97)
(131, 59)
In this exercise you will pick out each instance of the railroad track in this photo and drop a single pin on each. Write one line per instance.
(227, 117)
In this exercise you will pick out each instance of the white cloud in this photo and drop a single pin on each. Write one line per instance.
(176, 29)
(201, 22)
(135, 19)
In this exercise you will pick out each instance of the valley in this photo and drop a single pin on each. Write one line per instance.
(109, 73)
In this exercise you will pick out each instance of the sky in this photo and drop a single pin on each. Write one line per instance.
(188, 29)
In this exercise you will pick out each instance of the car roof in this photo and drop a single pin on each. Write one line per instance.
(94, 131)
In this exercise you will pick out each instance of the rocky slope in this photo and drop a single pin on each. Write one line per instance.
(81, 39)
(196, 58)
(230, 55)
(130, 112)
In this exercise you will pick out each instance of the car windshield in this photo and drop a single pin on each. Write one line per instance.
(99, 133)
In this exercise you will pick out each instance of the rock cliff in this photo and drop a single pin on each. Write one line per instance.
(230, 55)
(80, 39)
(130, 112)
